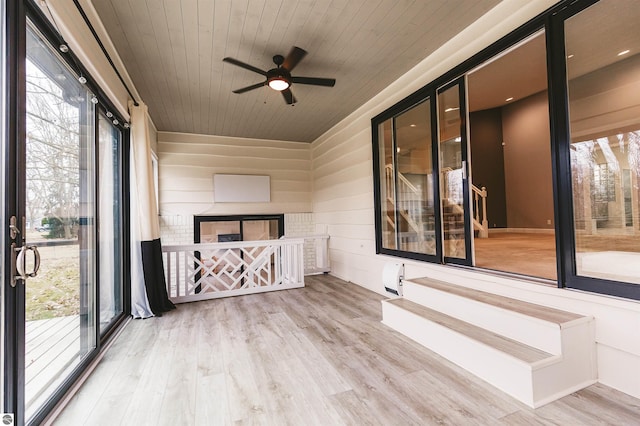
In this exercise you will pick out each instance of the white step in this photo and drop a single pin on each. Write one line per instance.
(466, 335)
(502, 315)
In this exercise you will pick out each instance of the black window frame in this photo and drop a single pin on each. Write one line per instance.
(552, 22)
(561, 134)
(197, 220)
(391, 114)
(18, 13)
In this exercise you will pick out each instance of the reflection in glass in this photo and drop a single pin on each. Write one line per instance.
(220, 231)
(60, 206)
(387, 185)
(109, 225)
(604, 97)
(414, 180)
(451, 172)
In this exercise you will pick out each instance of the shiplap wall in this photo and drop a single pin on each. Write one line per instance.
(343, 203)
(187, 163)
(342, 157)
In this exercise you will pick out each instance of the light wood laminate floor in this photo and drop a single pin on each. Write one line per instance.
(312, 356)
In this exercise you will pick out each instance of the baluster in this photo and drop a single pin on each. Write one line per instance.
(485, 221)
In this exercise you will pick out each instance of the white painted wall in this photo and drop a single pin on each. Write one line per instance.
(187, 163)
(343, 203)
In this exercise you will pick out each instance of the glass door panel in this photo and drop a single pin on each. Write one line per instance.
(60, 218)
(454, 191)
(387, 185)
(3, 201)
(415, 181)
(604, 91)
(220, 232)
(256, 230)
(110, 226)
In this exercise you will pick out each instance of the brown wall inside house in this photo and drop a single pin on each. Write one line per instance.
(487, 162)
(527, 163)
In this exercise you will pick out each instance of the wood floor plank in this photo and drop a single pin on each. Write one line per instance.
(311, 356)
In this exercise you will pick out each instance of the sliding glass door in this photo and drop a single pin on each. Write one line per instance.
(423, 209)
(454, 181)
(3, 198)
(110, 226)
(60, 220)
(63, 280)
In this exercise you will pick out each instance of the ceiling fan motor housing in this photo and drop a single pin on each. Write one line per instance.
(278, 74)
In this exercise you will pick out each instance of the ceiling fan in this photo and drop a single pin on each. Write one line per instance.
(280, 78)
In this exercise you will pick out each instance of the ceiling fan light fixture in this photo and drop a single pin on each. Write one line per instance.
(278, 83)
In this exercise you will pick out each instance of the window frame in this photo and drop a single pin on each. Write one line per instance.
(390, 114)
(18, 14)
(559, 105)
(552, 22)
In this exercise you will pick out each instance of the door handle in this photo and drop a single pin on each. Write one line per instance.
(19, 261)
(14, 264)
(36, 261)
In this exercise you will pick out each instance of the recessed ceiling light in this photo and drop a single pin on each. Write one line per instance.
(570, 56)
(508, 99)
(451, 109)
(412, 125)
(624, 52)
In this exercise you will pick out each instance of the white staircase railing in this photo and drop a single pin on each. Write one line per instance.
(480, 221)
(409, 200)
(479, 218)
(410, 203)
(207, 271)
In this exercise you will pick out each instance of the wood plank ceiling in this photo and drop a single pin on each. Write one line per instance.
(173, 51)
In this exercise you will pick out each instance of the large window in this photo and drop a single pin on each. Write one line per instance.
(406, 182)
(602, 47)
(535, 173)
(510, 145)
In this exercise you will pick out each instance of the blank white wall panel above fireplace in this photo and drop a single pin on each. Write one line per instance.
(241, 188)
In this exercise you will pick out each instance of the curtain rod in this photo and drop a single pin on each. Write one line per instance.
(106, 54)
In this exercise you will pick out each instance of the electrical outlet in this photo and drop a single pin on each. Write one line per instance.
(548, 221)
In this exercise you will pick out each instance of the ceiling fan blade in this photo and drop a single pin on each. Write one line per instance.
(328, 82)
(293, 58)
(245, 66)
(288, 96)
(253, 86)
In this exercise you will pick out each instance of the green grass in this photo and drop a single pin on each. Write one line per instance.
(55, 292)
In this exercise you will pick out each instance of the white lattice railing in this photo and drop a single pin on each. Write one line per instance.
(208, 271)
